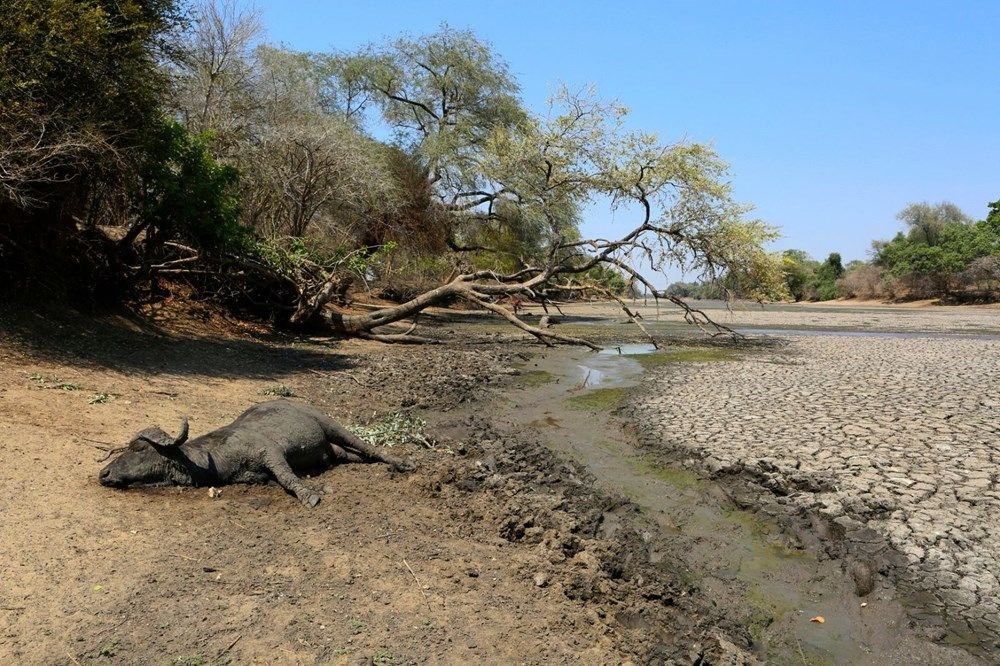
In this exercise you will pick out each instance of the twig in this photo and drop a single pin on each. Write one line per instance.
(73, 659)
(108, 452)
(185, 557)
(582, 384)
(98, 441)
(230, 647)
(427, 599)
(347, 374)
(798, 644)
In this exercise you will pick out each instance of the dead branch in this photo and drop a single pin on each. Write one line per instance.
(699, 319)
(423, 592)
(543, 336)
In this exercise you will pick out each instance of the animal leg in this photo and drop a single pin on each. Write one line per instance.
(348, 440)
(283, 474)
(348, 456)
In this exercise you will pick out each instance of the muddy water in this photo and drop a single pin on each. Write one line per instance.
(742, 562)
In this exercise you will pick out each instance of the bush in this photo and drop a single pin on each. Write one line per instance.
(184, 191)
(935, 256)
(862, 280)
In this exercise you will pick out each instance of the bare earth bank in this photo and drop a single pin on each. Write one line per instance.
(494, 551)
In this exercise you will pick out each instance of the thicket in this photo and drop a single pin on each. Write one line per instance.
(942, 253)
(141, 146)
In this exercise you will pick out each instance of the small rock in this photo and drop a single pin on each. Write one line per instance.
(541, 579)
(863, 576)
(214, 493)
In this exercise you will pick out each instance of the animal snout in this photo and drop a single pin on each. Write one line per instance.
(106, 478)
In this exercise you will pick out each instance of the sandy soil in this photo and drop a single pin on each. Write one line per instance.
(496, 550)
(489, 553)
(844, 315)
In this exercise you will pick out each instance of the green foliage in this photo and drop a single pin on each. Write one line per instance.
(80, 77)
(939, 246)
(705, 290)
(993, 217)
(605, 277)
(808, 279)
(798, 269)
(393, 429)
(825, 277)
(183, 190)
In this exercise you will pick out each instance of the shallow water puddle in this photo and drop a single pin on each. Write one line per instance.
(737, 559)
(611, 365)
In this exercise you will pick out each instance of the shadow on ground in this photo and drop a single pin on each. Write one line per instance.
(128, 343)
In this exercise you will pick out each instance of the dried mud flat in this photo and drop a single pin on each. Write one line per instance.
(496, 550)
(888, 447)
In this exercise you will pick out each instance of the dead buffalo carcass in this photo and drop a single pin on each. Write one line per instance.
(273, 440)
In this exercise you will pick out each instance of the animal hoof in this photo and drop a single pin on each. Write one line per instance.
(312, 500)
(404, 466)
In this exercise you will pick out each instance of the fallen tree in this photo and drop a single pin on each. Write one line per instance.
(506, 189)
(543, 174)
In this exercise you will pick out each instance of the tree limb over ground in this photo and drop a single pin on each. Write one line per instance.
(509, 188)
(260, 176)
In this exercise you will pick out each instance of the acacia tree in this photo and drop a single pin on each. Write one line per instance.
(545, 169)
(506, 187)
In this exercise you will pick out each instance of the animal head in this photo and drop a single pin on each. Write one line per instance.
(149, 459)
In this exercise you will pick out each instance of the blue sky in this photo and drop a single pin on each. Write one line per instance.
(833, 115)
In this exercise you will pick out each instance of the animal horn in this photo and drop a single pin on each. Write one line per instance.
(182, 437)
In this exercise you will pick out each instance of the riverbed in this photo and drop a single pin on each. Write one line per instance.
(881, 440)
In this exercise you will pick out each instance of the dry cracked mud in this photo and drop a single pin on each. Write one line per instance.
(891, 445)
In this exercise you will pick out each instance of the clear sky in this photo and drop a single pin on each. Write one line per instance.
(833, 115)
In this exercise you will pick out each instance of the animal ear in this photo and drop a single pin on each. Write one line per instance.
(156, 437)
(153, 436)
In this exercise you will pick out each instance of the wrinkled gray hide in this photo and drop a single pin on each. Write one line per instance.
(275, 440)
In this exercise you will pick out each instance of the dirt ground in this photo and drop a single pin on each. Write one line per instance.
(489, 553)
(496, 550)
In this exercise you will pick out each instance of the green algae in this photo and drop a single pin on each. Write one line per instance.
(683, 355)
(602, 399)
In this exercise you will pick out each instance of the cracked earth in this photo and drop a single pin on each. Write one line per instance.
(894, 441)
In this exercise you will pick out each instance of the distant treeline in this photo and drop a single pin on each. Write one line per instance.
(941, 253)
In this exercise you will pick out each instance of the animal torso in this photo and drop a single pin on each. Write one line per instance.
(237, 453)
(275, 440)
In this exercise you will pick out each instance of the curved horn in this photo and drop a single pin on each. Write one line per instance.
(182, 437)
(154, 436)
